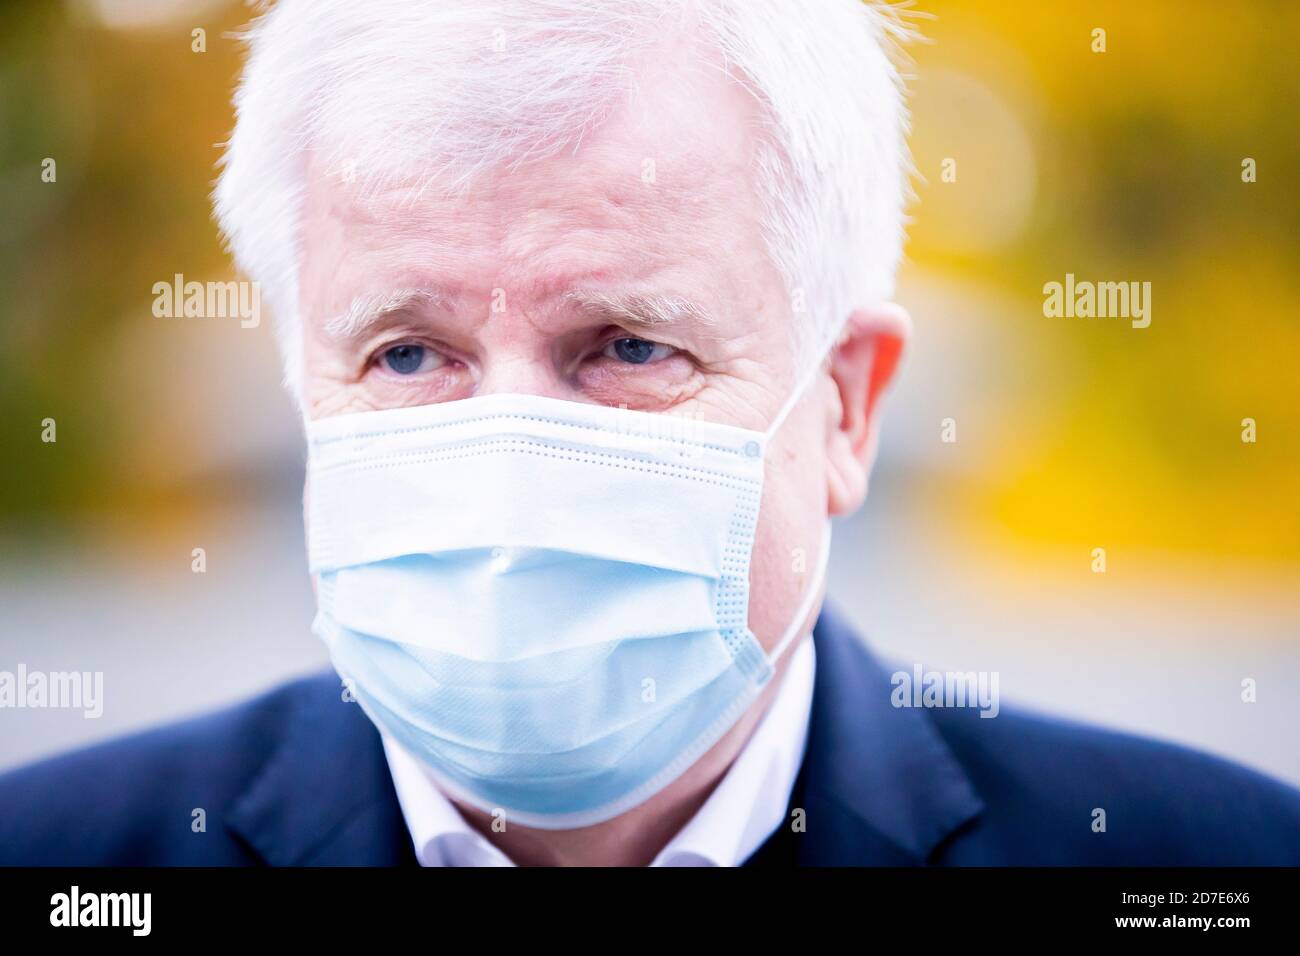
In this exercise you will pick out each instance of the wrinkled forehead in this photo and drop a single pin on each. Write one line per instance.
(687, 136)
(669, 95)
(667, 182)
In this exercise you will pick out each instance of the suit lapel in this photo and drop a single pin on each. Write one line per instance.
(324, 795)
(878, 785)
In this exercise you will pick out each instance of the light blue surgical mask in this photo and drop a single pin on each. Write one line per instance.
(545, 601)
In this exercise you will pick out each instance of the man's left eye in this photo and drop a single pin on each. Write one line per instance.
(637, 351)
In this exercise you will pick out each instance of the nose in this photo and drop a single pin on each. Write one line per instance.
(522, 375)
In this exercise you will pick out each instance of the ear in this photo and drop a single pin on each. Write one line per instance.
(862, 366)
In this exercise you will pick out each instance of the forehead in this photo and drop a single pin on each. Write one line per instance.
(663, 192)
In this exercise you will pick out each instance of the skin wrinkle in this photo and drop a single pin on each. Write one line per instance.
(582, 225)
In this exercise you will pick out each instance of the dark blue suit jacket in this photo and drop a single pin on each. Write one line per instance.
(297, 776)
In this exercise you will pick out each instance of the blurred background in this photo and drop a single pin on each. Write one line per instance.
(977, 554)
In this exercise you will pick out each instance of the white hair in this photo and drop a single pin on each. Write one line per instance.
(459, 87)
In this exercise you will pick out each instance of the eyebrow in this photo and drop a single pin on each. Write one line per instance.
(367, 311)
(644, 310)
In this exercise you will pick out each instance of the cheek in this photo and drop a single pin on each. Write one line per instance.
(327, 397)
(790, 524)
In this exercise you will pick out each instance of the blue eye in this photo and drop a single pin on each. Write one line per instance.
(634, 351)
(405, 359)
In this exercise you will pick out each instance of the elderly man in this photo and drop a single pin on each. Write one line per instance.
(586, 307)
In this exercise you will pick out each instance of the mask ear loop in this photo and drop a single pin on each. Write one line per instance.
(823, 557)
(804, 381)
(809, 598)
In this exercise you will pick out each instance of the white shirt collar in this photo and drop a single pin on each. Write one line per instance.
(747, 805)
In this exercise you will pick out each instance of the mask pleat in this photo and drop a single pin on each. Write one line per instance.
(627, 683)
(486, 607)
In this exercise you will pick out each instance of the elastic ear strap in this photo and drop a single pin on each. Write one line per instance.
(809, 598)
(804, 381)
